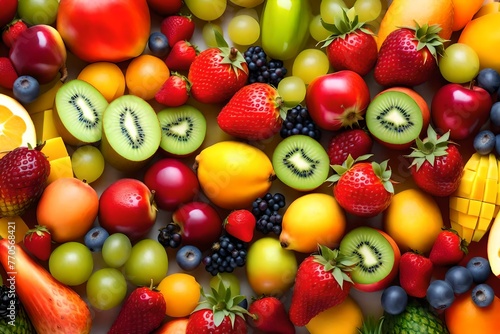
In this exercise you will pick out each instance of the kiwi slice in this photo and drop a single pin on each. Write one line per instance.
(183, 130)
(79, 107)
(394, 117)
(373, 252)
(131, 133)
(301, 163)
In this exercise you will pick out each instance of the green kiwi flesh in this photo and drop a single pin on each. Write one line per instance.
(373, 252)
(79, 107)
(183, 130)
(131, 132)
(301, 163)
(394, 118)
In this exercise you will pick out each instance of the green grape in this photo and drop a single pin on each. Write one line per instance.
(229, 279)
(35, 12)
(88, 163)
(367, 10)
(293, 90)
(459, 64)
(148, 261)
(208, 33)
(71, 263)
(329, 9)
(106, 288)
(116, 250)
(309, 64)
(207, 10)
(243, 30)
(316, 29)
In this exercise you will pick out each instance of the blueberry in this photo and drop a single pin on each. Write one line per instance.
(484, 142)
(495, 113)
(158, 44)
(243, 303)
(489, 79)
(26, 89)
(394, 299)
(479, 268)
(188, 257)
(460, 279)
(440, 294)
(482, 295)
(497, 144)
(95, 237)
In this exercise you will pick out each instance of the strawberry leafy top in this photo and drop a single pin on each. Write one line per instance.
(343, 26)
(427, 36)
(230, 55)
(336, 263)
(429, 148)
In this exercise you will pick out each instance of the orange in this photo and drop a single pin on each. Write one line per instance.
(344, 318)
(145, 75)
(463, 12)
(107, 77)
(175, 326)
(181, 292)
(16, 127)
(487, 8)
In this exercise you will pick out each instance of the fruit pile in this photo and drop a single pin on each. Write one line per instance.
(249, 166)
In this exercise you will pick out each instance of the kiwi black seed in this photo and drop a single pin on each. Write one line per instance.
(394, 117)
(372, 251)
(131, 133)
(79, 107)
(183, 130)
(301, 162)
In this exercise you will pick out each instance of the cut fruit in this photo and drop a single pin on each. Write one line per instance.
(60, 168)
(131, 133)
(183, 130)
(13, 227)
(54, 148)
(79, 107)
(301, 162)
(16, 126)
(46, 98)
(44, 125)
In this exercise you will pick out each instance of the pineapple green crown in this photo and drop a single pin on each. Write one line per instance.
(429, 148)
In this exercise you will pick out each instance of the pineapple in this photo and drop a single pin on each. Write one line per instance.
(372, 326)
(416, 319)
(20, 325)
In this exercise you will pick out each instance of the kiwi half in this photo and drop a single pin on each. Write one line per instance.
(301, 163)
(394, 118)
(131, 133)
(373, 252)
(183, 130)
(79, 107)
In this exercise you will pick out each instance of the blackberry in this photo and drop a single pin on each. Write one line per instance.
(6, 298)
(298, 122)
(170, 236)
(266, 211)
(227, 254)
(262, 70)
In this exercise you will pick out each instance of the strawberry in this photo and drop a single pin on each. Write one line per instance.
(23, 176)
(351, 46)
(8, 73)
(409, 56)
(240, 224)
(268, 314)
(217, 73)
(181, 56)
(141, 313)
(38, 242)
(355, 142)
(448, 248)
(362, 188)
(437, 164)
(12, 31)
(174, 92)
(177, 28)
(255, 112)
(322, 281)
(415, 273)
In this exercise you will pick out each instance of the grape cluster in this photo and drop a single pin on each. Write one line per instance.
(170, 236)
(298, 122)
(262, 70)
(7, 298)
(227, 254)
(266, 211)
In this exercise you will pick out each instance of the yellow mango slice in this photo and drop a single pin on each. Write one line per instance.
(60, 168)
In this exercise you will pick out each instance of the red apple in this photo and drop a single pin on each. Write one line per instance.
(127, 206)
(173, 182)
(39, 51)
(460, 109)
(337, 100)
(8, 12)
(165, 8)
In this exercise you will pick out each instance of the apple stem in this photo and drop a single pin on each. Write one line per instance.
(64, 73)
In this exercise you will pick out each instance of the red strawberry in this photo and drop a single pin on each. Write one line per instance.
(253, 113)
(181, 56)
(408, 56)
(177, 28)
(448, 249)
(268, 314)
(8, 73)
(355, 142)
(362, 188)
(142, 312)
(437, 164)
(322, 281)
(240, 224)
(23, 176)
(38, 242)
(415, 273)
(351, 46)
(174, 92)
(12, 31)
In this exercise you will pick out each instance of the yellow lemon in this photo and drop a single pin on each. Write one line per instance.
(344, 318)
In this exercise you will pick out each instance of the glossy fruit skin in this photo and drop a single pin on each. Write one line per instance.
(461, 110)
(479, 268)
(26, 89)
(483, 295)
(440, 294)
(9, 74)
(394, 299)
(181, 56)
(9, 10)
(38, 242)
(126, 23)
(484, 142)
(158, 44)
(12, 32)
(269, 314)
(415, 273)
(355, 142)
(145, 75)
(177, 28)
(460, 278)
(107, 77)
(351, 99)
(448, 249)
(173, 182)
(188, 257)
(489, 79)
(104, 279)
(95, 238)
(147, 264)
(240, 224)
(165, 8)
(180, 286)
(174, 92)
(202, 322)
(71, 263)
